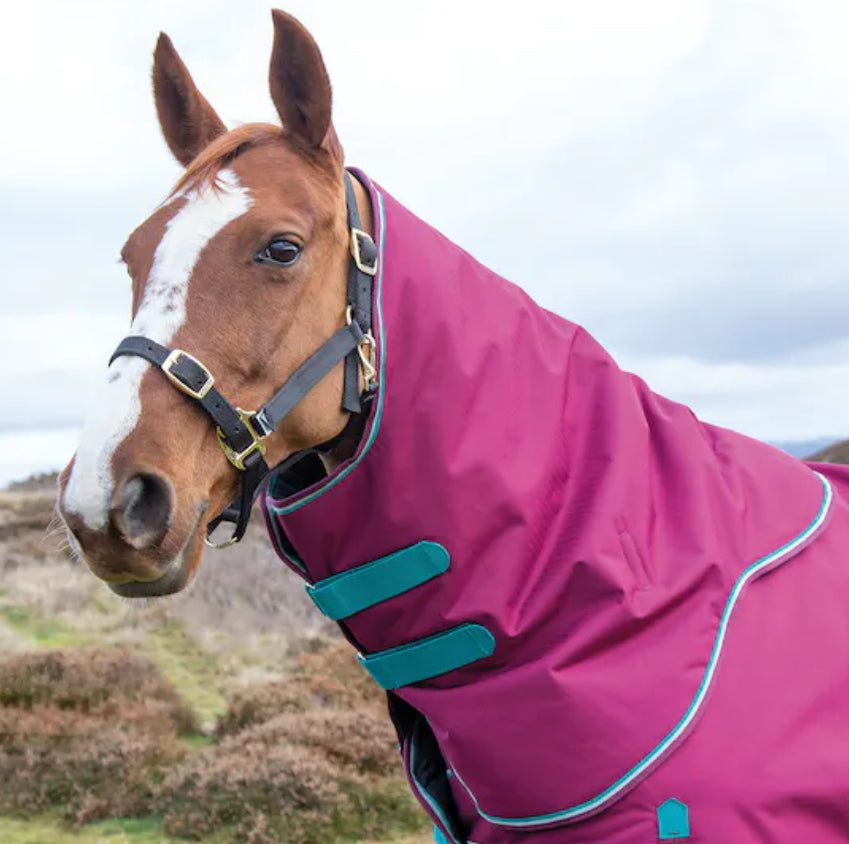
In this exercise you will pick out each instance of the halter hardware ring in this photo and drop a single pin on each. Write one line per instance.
(237, 458)
(368, 363)
(358, 236)
(219, 545)
(368, 359)
(171, 361)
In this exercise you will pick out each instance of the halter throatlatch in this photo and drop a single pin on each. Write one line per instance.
(242, 433)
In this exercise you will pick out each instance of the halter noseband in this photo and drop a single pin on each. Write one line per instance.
(242, 433)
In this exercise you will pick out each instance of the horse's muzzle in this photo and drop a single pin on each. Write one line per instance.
(144, 550)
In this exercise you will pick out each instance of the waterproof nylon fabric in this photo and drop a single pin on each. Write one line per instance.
(600, 532)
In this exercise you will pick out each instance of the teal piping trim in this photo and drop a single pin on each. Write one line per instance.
(439, 836)
(429, 657)
(357, 589)
(606, 797)
(278, 544)
(331, 482)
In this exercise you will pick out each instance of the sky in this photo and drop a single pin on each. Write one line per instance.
(671, 174)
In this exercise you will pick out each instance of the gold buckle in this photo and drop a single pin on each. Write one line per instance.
(171, 360)
(237, 458)
(357, 255)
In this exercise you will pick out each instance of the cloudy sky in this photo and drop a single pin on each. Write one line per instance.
(672, 174)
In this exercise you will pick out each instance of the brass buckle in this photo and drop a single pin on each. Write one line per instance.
(237, 458)
(356, 253)
(171, 360)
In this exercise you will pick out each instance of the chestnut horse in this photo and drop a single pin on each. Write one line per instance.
(549, 568)
(256, 230)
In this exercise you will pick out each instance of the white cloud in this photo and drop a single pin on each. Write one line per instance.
(777, 401)
(672, 175)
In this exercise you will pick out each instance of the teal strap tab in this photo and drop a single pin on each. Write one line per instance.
(357, 589)
(426, 658)
(673, 820)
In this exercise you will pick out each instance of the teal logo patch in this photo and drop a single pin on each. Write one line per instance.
(673, 820)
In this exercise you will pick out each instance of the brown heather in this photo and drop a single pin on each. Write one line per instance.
(53, 758)
(110, 683)
(215, 787)
(258, 704)
(333, 677)
(326, 676)
(96, 733)
(85, 732)
(297, 758)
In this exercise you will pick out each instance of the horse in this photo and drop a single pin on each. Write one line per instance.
(595, 616)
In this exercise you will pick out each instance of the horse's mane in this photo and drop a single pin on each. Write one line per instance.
(203, 170)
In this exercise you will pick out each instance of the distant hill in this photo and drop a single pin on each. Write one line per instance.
(834, 453)
(804, 448)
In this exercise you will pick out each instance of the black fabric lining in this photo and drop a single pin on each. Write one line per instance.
(297, 476)
(430, 770)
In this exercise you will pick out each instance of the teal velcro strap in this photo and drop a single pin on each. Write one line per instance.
(357, 589)
(430, 657)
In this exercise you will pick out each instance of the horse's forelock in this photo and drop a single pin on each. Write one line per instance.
(204, 170)
(221, 152)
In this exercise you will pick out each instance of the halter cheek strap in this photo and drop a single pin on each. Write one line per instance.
(241, 433)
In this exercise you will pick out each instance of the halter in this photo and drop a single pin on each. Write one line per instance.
(242, 433)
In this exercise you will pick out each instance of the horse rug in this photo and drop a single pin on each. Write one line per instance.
(597, 618)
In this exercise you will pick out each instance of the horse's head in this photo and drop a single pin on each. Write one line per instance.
(243, 267)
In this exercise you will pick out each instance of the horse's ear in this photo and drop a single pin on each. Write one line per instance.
(188, 121)
(299, 84)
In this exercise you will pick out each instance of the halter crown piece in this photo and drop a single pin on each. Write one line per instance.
(242, 433)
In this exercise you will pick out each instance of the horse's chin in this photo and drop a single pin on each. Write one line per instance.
(174, 578)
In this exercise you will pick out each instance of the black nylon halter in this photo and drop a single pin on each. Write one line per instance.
(241, 433)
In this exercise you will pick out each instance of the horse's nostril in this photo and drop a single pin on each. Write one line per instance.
(143, 509)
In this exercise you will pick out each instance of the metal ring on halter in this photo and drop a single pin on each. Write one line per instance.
(219, 545)
(368, 360)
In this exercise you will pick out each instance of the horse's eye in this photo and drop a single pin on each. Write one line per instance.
(280, 251)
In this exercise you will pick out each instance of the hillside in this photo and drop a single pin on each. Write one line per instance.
(835, 453)
(231, 713)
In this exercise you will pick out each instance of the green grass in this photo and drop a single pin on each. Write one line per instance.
(390, 808)
(43, 632)
(47, 830)
(194, 672)
(197, 741)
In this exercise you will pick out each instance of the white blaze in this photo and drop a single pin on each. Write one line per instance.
(161, 313)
